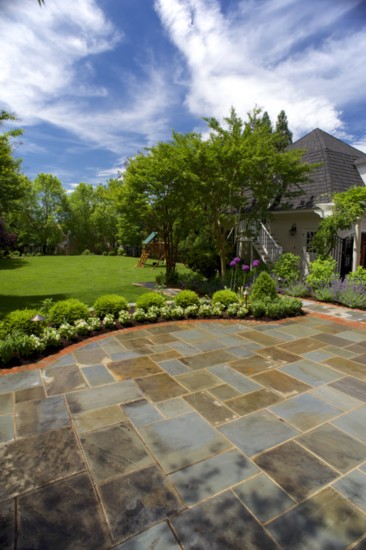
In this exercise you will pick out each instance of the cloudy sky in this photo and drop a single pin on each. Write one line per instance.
(94, 81)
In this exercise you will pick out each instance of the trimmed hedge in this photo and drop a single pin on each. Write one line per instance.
(145, 301)
(67, 311)
(187, 298)
(225, 297)
(110, 304)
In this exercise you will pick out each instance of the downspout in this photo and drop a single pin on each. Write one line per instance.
(356, 257)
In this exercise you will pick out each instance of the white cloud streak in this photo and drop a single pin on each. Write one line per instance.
(264, 54)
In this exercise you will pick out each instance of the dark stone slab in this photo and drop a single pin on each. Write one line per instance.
(41, 415)
(63, 379)
(210, 408)
(35, 461)
(138, 500)
(104, 396)
(256, 432)
(360, 358)
(7, 525)
(326, 521)
(211, 476)
(351, 386)
(221, 523)
(160, 387)
(340, 450)
(239, 381)
(63, 516)
(298, 472)
(114, 450)
(158, 537)
(263, 497)
(182, 441)
(253, 401)
(134, 368)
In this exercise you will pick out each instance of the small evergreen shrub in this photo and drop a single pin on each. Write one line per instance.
(287, 268)
(110, 304)
(21, 320)
(67, 311)
(293, 306)
(186, 298)
(263, 287)
(145, 301)
(321, 272)
(225, 297)
(86, 252)
(258, 309)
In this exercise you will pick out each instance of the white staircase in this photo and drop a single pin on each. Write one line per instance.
(265, 244)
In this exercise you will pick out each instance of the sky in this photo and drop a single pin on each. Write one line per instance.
(93, 82)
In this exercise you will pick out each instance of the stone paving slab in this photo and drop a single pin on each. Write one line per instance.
(187, 435)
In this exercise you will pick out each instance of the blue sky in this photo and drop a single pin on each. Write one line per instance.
(94, 81)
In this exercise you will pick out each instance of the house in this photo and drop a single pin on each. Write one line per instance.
(294, 223)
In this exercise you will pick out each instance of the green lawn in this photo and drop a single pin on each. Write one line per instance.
(25, 282)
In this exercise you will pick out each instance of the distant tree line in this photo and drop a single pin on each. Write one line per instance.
(192, 190)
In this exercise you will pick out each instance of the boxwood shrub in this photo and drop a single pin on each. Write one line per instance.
(145, 301)
(67, 311)
(263, 287)
(225, 297)
(186, 298)
(110, 304)
(21, 320)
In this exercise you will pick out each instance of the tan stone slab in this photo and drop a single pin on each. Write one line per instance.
(199, 380)
(224, 392)
(134, 368)
(261, 338)
(207, 359)
(284, 385)
(160, 387)
(347, 366)
(99, 418)
(210, 408)
(163, 338)
(303, 345)
(278, 355)
(253, 365)
(137, 343)
(254, 401)
(165, 355)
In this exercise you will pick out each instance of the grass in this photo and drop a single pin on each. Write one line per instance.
(26, 282)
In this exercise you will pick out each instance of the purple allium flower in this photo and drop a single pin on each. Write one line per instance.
(237, 260)
(256, 263)
(245, 267)
(232, 263)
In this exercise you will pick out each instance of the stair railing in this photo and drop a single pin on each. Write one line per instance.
(266, 245)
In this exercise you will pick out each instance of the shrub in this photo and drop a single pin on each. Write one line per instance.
(358, 276)
(186, 298)
(258, 309)
(108, 321)
(139, 315)
(68, 311)
(176, 312)
(124, 318)
(145, 301)
(86, 252)
(109, 304)
(21, 320)
(112, 253)
(292, 306)
(287, 268)
(51, 337)
(349, 294)
(67, 331)
(82, 327)
(191, 312)
(225, 297)
(242, 312)
(263, 287)
(321, 272)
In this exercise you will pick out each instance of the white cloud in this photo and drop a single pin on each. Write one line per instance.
(47, 75)
(277, 54)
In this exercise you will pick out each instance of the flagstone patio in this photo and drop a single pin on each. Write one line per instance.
(219, 435)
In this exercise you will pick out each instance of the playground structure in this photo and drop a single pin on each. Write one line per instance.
(152, 248)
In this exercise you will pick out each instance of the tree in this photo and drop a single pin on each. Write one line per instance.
(159, 192)
(105, 216)
(80, 225)
(282, 131)
(11, 188)
(50, 211)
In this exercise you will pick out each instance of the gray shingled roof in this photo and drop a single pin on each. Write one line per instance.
(336, 174)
